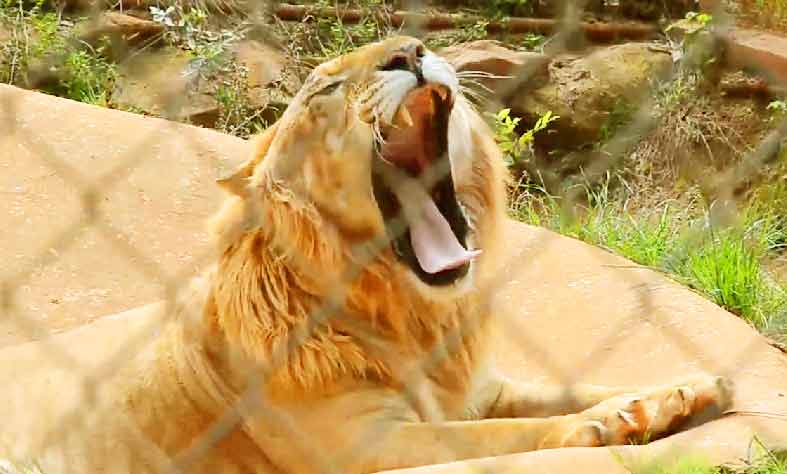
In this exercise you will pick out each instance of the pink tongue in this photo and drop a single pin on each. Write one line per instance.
(435, 244)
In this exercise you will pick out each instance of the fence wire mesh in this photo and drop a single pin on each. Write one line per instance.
(35, 55)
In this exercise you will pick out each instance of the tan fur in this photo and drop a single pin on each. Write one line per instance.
(336, 357)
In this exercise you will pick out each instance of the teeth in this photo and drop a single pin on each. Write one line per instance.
(442, 92)
(404, 116)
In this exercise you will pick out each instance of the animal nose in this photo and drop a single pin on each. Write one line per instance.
(408, 59)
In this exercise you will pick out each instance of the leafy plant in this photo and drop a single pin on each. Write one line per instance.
(88, 77)
(34, 36)
(511, 7)
(188, 28)
(698, 50)
(533, 40)
(701, 18)
(42, 44)
(465, 33)
(778, 109)
(237, 115)
(761, 461)
(517, 148)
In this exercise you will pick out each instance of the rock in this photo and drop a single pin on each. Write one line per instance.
(5, 33)
(760, 51)
(583, 90)
(161, 83)
(264, 63)
(120, 34)
(270, 76)
(493, 58)
(741, 84)
(165, 83)
(119, 27)
(488, 56)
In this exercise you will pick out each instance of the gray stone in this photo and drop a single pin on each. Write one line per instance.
(159, 83)
(583, 90)
(491, 57)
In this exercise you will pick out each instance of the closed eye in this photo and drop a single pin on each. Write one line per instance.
(397, 63)
(329, 89)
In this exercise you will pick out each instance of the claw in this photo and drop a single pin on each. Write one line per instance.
(442, 92)
(627, 418)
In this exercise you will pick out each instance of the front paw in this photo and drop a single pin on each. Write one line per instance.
(644, 416)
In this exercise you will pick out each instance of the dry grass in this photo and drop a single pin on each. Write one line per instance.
(699, 136)
(769, 14)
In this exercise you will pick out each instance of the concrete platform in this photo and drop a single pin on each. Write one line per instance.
(564, 310)
(759, 52)
(153, 185)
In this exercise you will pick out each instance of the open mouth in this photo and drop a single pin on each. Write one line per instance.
(414, 189)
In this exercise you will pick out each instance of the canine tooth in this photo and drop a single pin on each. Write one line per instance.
(404, 116)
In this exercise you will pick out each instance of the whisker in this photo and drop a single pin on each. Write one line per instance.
(474, 97)
(480, 75)
(466, 83)
(475, 90)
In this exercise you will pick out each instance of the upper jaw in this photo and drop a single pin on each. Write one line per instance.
(417, 139)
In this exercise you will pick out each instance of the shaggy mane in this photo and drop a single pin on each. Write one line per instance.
(285, 276)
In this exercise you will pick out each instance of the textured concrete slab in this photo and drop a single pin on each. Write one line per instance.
(565, 311)
(152, 183)
(758, 51)
(571, 313)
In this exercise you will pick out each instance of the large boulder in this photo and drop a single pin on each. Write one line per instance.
(584, 90)
(562, 310)
(271, 78)
(168, 83)
(494, 59)
(163, 83)
(119, 28)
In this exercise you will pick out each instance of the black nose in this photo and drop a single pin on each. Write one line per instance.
(408, 59)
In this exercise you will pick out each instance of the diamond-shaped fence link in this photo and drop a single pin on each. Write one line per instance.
(567, 32)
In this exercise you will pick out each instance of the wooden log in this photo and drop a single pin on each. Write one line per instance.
(595, 31)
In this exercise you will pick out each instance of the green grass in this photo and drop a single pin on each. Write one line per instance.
(690, 465)
(761, 461)
(43, 52)
(88, 77)
(726, 264)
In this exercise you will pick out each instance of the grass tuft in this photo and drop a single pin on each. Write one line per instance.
(725, 264)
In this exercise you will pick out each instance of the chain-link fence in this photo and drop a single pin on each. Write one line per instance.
(558, 32)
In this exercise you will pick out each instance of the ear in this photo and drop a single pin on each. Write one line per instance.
(236, 182)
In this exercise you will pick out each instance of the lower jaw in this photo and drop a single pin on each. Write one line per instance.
(443, 278)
